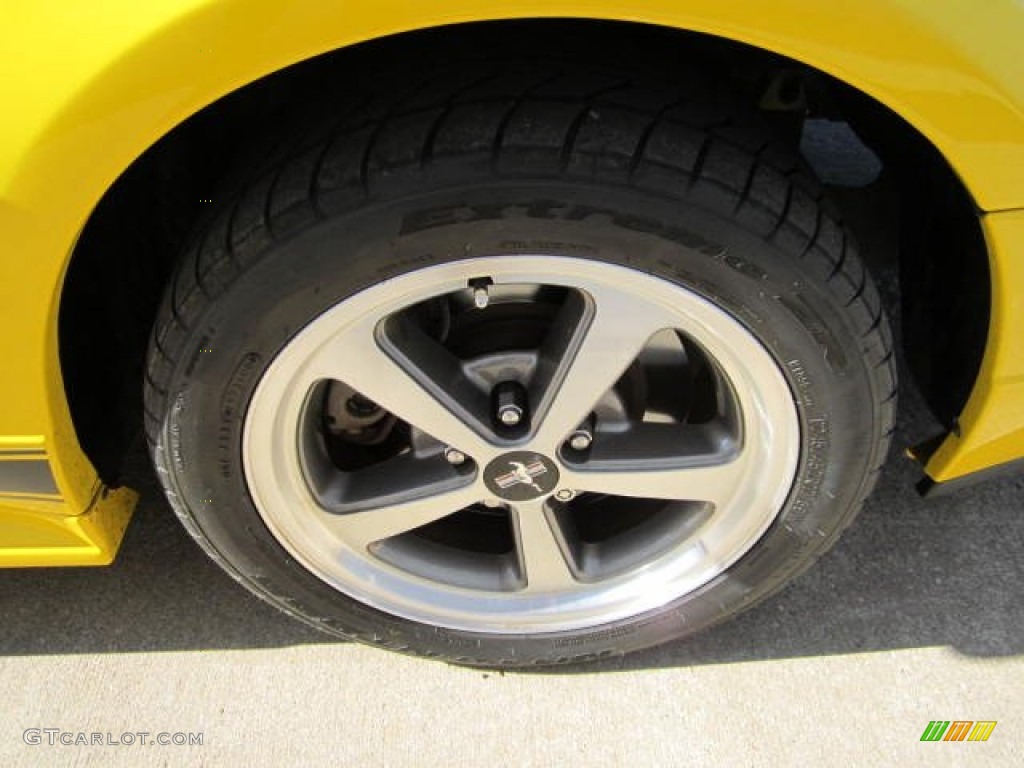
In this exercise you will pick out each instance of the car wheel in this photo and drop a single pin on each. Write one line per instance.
(522, 380)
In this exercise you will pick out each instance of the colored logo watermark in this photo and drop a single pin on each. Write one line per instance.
(958, 730)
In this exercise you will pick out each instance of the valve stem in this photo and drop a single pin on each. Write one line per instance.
(481, 291)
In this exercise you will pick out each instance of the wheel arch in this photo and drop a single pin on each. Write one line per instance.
(917, 81)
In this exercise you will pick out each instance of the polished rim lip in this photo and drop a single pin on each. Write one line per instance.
(279, 491)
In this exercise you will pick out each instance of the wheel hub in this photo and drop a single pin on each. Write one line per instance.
(521, 476)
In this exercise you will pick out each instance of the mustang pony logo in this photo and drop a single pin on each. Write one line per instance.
(522, 474)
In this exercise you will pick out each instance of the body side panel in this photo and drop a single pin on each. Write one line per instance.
(90, 86)
(991, 428)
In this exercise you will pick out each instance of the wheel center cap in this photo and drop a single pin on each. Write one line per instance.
(521, 476)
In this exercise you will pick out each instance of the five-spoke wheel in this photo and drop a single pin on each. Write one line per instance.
(521, 378)
(654, 441)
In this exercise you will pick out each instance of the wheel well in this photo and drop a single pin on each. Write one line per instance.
(137, 231)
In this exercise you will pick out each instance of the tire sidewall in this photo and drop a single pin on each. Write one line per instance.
(284, 288)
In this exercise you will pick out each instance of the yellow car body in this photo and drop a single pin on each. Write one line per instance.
(88, 87)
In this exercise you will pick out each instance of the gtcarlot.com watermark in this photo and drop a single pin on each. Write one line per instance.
(55, 737)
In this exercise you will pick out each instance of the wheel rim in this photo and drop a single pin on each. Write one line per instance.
(494, 543)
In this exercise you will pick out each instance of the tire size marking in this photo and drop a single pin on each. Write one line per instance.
(831, 351)
(542, 246)
(812, 477)
(802, 381)
(174, 433)
(231, 404)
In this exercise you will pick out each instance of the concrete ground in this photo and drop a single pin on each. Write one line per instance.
(917, 615)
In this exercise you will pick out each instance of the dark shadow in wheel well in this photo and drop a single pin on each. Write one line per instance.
(134, 236)
(945, 288)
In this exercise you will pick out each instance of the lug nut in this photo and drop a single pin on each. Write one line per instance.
(454, 456)
(509, 399)
(565, 494)
(583, 436)
(510, 415)
(580, 440)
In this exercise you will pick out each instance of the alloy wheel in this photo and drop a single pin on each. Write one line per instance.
(521, 444)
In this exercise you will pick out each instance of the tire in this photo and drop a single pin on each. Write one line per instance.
(677, 199)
